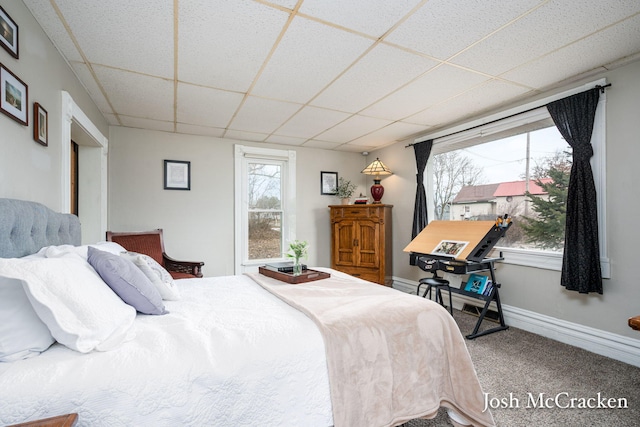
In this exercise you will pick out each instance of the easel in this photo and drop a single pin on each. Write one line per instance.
(481, 237)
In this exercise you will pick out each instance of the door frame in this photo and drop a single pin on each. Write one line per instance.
(92, 152)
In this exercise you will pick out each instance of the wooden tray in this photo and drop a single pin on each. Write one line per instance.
(306, 276)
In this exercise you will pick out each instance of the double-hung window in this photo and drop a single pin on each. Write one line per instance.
(514, 163)
(264, 205)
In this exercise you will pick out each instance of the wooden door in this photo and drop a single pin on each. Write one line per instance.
(368, 244)
(74, 178)
(344, 235)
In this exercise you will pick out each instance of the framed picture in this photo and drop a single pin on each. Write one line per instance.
(177, 175)
(8, 34)
(328, 183)
(14, 98)
(40, 124)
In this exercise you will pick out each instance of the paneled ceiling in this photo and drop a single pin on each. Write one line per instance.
(351, 75)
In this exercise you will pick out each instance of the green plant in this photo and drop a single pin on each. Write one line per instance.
(298, 249)
(345, 188)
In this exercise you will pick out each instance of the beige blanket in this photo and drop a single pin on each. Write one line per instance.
(391, 356)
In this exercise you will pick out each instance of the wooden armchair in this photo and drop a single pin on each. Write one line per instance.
(151, 243)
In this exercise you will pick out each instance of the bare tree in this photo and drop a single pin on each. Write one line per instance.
(452, 171)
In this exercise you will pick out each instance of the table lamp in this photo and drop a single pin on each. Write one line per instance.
(377, 168)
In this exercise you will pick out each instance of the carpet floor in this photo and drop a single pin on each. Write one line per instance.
(535, 381)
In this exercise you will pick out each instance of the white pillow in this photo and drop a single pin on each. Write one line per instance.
(81, 251)
(111, 247)
(158, 275)
(79, 309)
(22, 333)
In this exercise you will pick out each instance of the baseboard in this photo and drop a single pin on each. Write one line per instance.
(607, 344)
(618, 347)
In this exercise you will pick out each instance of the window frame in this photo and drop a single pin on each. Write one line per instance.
(242, 156)
(450, 139)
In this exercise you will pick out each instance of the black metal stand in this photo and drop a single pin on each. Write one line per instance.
(433, 263)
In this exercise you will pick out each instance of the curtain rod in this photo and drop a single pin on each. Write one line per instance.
(601, 87)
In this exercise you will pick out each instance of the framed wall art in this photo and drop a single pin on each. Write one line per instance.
(177, 175)
(8, 33)
(40, 124)
(14, 96)
(328, 183)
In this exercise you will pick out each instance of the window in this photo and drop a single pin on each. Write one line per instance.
(524, 176)
(265, 205)
(495, 167)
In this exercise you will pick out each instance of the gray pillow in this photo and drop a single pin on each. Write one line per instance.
(127, 281)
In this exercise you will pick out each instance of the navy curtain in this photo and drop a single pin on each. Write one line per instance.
(574, 117)
(422, 151)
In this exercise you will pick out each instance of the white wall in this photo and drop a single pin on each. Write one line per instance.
(539, 290)
(199, 224)
(28, 170)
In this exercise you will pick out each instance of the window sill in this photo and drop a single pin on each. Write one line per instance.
(542, 259)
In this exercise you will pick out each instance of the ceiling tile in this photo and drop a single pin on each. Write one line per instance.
(381, 71)
(136, 122)
(325, 145)
(286, 140)
(588, 54)
(203, 106)
(137, 95)
(289, 4)
(352, 128)
(442, 28)
(388, 135)
(372, 17)
(482, 98)
(223, 44)
(199, 130)
(308, 58)
(245, 136)
(263, 115)
(311, 121)
(50, 23)
(107, 39)
(546, 29)
(85, 76)
(434, 87)
(351, 148)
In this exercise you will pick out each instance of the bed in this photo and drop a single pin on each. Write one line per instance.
(240, 350)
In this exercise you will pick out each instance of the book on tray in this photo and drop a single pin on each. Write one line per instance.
(477, 283)
(282, 267)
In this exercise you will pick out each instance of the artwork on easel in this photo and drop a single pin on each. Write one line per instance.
(450, 248)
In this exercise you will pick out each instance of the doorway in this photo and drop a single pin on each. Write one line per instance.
(74, 178)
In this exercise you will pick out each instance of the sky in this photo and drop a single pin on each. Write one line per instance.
(505, 160)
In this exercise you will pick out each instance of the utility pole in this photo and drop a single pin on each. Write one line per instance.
(526, 182)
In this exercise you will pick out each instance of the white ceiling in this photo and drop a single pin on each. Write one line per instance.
(351, 75)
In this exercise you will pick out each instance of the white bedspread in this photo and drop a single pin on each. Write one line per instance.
(228, 354)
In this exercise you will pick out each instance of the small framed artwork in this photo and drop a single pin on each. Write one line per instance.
(14, 97)
(329, 183)
(8, 33)
(40, 124)
(177, 175)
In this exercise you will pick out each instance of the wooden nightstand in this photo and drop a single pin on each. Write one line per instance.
(68, 420)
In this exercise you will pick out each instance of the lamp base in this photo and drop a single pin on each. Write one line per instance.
(377, 191)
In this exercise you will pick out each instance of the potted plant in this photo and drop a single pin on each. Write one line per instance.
(345, 190)
(297, 251)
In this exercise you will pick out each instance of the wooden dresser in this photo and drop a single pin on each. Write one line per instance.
(361, 241)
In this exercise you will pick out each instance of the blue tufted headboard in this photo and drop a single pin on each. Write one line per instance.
(26, 227)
